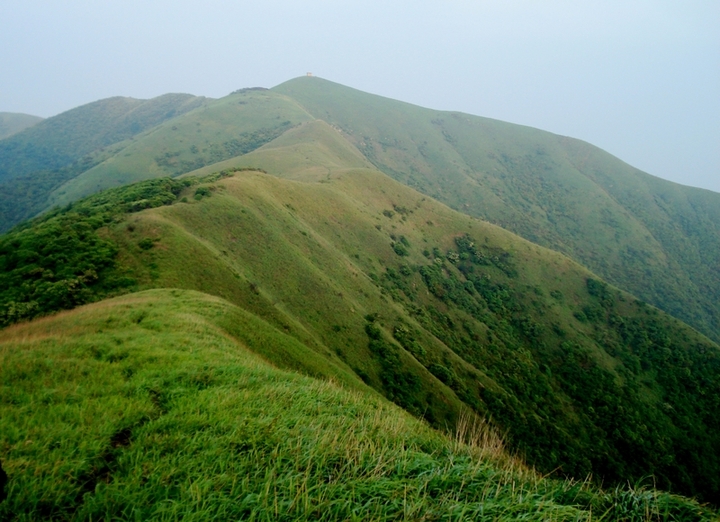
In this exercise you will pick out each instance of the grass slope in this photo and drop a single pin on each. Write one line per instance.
(147, 407)
(313, 151)
(438, 311)
(657, 239)
(221, 129)
(13, 122)
(36, 161)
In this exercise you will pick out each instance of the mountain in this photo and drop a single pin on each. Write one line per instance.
(160, 406)
(13, 122)
(221, 129)
(40, 158)
(379, 284)
(317, 212)
(657, 239)
(654, 238)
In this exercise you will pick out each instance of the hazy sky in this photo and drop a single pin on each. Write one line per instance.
(640, 79)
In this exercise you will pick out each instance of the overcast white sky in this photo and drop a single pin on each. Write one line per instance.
(640, 79)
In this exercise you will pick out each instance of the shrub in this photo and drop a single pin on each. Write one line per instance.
(146, 244)
(400, 249)
(442, 373)
(201, 192)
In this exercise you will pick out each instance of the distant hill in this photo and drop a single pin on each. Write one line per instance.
(221, 129)
(40, 158)
(13, 122)
(375, 282)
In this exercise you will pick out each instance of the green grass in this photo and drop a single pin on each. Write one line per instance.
(146, 408)
(312, 151)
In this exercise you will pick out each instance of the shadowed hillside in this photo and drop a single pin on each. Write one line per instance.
(437, 311)
(39, 159)
(221, 129)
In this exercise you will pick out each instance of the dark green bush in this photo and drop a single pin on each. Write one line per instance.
(442, 373)
(400, 249)
(146, 244)
(201, 192)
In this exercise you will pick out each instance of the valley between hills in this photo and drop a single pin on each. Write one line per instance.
(310, 302)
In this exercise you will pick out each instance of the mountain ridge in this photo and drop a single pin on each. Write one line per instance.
(655, 238)
(236, 124)
(37, 160)
(381, 237)
(174, 422)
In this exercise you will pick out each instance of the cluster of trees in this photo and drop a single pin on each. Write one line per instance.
(60, 260)
(401, 387)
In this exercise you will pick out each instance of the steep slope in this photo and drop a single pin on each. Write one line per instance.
(657, 239)
(13, 122)
(436, 310)
(156, 406)
(221, 129)
(37, 160)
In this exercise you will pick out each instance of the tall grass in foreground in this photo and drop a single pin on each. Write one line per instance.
(141, 408)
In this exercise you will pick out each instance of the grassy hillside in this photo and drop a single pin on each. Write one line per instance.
(655, 238)
(158, 406)
(231, 126)
(12, 123)
(36, 161)
(437, 311)
(313, 151)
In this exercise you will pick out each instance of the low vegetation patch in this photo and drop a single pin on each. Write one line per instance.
(63, 259)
